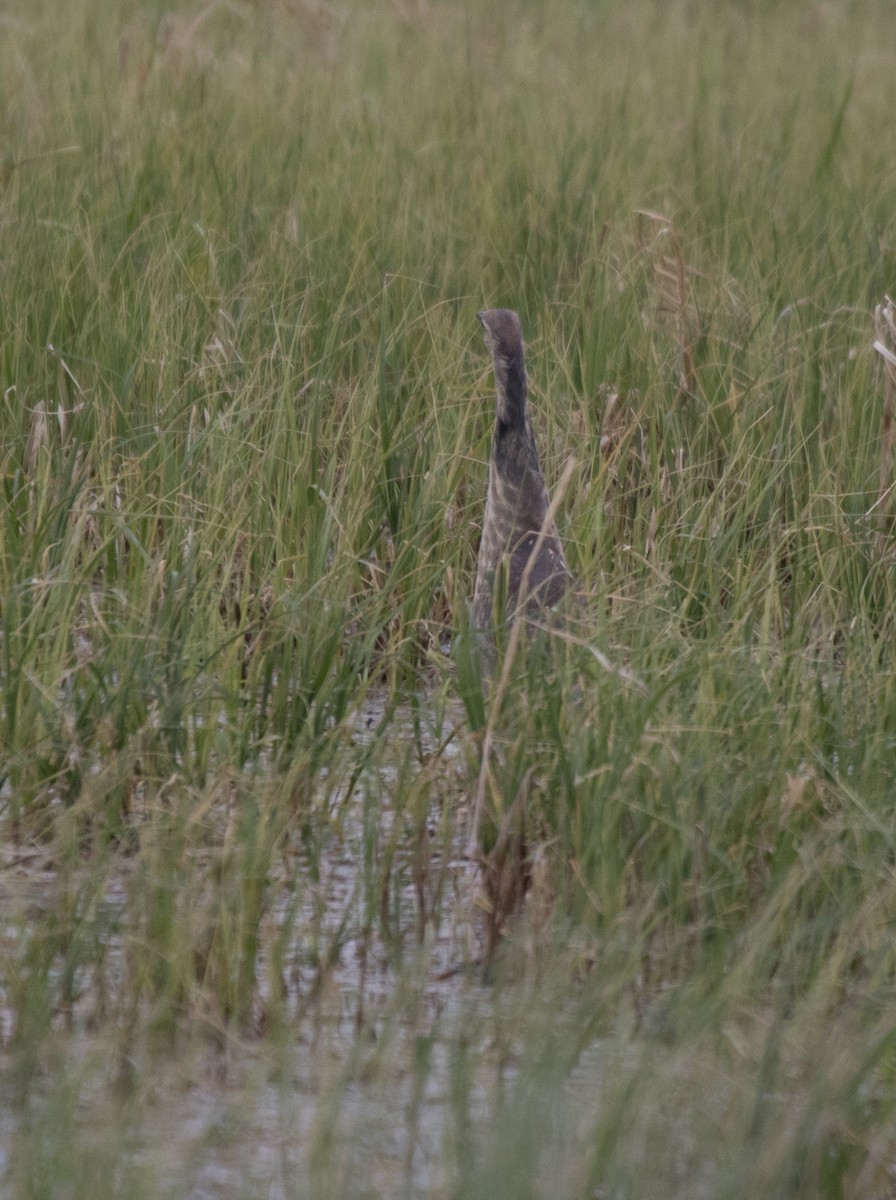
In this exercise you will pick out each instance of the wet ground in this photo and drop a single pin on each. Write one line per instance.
(389, 1043)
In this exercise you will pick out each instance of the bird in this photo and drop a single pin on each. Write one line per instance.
(517, 528)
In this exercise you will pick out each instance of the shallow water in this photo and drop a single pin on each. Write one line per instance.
(386, 1052)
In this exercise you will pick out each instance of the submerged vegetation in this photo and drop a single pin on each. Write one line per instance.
(245, 739)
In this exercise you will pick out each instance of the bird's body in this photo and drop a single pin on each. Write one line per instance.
(516, 529)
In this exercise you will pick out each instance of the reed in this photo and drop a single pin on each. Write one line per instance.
(244, 732)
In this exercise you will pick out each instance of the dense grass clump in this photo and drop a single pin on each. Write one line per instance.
(299, 898)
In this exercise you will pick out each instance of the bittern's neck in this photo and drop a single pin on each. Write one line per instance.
(512, 389)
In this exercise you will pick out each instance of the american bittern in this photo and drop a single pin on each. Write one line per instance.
(516, 529)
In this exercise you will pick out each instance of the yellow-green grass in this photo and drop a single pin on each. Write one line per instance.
(245, 415)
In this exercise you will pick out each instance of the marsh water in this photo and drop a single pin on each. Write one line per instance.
(392, 1047)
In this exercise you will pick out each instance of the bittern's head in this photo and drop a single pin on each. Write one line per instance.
(503, 336)
(503, 333)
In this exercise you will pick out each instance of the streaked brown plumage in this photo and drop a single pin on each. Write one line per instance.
(517, 503)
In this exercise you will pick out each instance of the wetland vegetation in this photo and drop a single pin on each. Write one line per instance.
(244, 734)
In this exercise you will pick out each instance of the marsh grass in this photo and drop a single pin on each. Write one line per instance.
(245, 733)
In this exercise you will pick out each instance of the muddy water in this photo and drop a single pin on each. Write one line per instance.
(387, 1057)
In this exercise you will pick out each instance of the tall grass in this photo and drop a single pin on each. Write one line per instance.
(243, 730)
